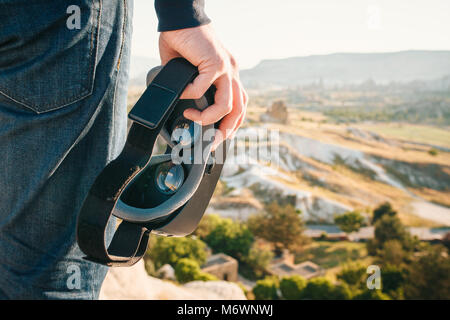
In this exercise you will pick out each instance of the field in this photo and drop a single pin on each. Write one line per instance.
(334, 255)
(328, 254)
(412, 132)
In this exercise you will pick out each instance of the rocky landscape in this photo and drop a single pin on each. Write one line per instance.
(327, 169)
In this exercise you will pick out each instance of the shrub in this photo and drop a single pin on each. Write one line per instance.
(204, 276)
(170, 250)
(371, 295)
(372, 247)
(208, 223)
(323, 236)
(392, 253)
(429, 275)
(292, 287)
(232, 238)
(349, 221)
(353, 275)
(392, 280)
(258, 259)
(320, 289)
(266, 289)
(342, 292)
(383, 210)
(188, 270)
(280, 225)
(388, 229)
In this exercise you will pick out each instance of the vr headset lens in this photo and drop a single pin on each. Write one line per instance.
(185, 133)
(156, 184)
(169, 177)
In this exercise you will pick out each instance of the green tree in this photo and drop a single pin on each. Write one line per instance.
(392, 253)
(188, 270)
(433, 151)
(393, 278)
(354, 275)
(383, 210)
(170, 250)
(371, 295)
(349, 221)
(258, 259)
(429, 275)
(390, 228)
(266, 289)
(342, 292)
(230, 237)
(291, 287)
(208, 223)
(323, 289)
(281, 226)
(204, 276)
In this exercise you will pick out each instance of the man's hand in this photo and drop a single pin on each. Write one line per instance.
(217, 66)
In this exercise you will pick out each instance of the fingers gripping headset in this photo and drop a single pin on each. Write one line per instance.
(153, 192)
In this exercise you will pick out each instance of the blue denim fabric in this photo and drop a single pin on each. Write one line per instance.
(62, 119)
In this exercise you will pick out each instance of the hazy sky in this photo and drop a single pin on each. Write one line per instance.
(267, 29)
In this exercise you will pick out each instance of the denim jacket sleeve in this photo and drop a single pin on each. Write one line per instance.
(180, 14)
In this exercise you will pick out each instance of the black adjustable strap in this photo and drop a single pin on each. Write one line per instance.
(149, 114)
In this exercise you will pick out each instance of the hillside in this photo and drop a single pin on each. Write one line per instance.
(326, 169)
(345, 68)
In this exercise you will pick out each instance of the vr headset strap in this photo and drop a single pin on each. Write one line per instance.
(130, 240)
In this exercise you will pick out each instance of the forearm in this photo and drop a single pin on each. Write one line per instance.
(180, 14)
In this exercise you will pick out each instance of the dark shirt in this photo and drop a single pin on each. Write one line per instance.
(180, 14)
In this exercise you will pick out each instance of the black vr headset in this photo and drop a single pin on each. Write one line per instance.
(166, 193)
